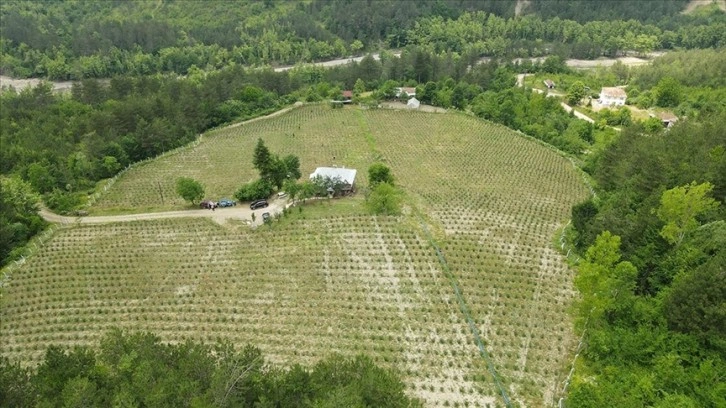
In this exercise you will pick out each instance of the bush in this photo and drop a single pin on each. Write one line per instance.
(255, 190)
(63, 202)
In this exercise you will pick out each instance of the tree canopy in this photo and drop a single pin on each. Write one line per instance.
(138, 369)
(189, 189)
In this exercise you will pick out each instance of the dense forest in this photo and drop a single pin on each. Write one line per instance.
(75, 40)
(138, 370)
(653, 280)
(650, 242)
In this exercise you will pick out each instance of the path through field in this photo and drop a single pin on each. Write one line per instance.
(220, 215)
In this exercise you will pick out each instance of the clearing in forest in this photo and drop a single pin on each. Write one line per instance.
(330, 278)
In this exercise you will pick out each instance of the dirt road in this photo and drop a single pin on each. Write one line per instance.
(240, 212)
(336, 62)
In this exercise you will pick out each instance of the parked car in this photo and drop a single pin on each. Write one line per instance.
(281, 194)
(226, 202)
(207, 204)
(266, 217)
(258, 204)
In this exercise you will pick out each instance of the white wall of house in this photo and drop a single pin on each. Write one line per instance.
(606, 100)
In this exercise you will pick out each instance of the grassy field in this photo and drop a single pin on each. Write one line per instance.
(331, 278)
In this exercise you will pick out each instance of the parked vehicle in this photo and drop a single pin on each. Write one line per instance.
(281, 194)
(258, 204)
(226, 202)
(208, 204)
(266, 217)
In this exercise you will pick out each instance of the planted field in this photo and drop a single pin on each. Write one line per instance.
(315, 283)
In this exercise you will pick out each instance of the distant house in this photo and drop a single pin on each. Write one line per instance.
(549, 84)
(413, 103)
(345, 176)
(405, 90)
(612, 96)
(347, 96)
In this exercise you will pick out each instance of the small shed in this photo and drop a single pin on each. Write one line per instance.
(413, 103)
(667, 118)
(347, 96)
(549, 84)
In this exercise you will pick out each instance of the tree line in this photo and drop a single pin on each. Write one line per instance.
(138, 369)
(653, 277)
(76, 40)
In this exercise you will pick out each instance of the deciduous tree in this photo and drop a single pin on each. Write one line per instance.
(189, 189)
(679, 208)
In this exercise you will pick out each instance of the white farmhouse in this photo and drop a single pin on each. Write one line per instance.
(612, 96)
(346, 176)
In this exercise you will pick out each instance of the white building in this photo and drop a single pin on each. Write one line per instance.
(405, 90)
(413, 103)
(612, 96)
(347, 176)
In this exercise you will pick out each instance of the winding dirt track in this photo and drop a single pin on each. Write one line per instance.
(220, 215)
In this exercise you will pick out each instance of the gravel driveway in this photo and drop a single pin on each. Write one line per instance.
(220, 215)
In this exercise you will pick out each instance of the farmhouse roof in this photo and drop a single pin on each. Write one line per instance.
(347, 175)
(613, 92)
(667, 116)
(347, 94)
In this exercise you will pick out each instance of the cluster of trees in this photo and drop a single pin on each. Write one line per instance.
(382, 197)
(99, 41)
(274, 173)
(19, 219)
(63, 144)
(653, 279)
(131, 370)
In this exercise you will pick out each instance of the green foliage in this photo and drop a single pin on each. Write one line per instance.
(575, 93)
(654, 320)
(189, 189)
(255, 190)
(384, 199)
(679, 208)
(273, 170)
(696, 303)
(379, 173)
(19, 219)
(668, 92)
(138, 369)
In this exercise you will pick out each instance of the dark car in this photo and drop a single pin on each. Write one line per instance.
(266, 217)
(207, 204)
(258, 204)
(226, 202)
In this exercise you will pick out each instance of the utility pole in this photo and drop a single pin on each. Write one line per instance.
(160, 193)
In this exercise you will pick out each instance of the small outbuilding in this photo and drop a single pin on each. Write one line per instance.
(347, 96)
(413, 103)
(667, 118)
